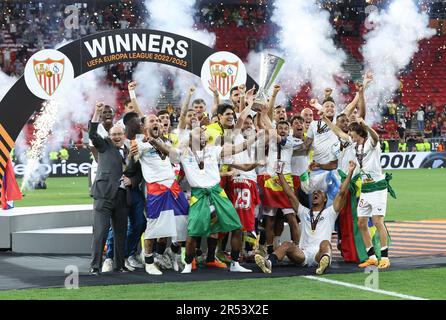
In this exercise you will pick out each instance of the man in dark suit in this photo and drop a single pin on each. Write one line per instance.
(111, 192)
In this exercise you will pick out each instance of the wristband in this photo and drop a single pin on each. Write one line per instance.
(132, 94)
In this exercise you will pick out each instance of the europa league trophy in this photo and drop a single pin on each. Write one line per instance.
(269, 69)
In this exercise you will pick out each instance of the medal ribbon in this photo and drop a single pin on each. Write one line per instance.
(360, 155)
(200, 162)
(162, 155)
(343, 145)
(313, 221)
(319, 128)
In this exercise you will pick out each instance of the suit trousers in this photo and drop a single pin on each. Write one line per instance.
(106, 211)
(135, 228)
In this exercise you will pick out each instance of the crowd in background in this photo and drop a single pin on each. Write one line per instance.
(220, 15)
(28, 27)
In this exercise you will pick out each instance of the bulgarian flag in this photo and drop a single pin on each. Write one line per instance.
(352, 245)
(10, 190)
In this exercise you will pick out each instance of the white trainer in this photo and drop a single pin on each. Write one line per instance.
(153, 270)
(236, 267)
(134, 262)
(173, 260)
(107, 266)
(163, 261)
(179, 262)
(187, 268)
(128, 265)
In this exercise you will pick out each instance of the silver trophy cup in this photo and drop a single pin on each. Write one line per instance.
(270, 66)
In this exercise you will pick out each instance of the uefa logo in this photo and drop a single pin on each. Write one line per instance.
(48, 73)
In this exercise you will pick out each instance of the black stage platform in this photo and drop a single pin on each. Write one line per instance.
(19, 271)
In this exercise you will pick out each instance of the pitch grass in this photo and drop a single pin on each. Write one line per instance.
(423, 283)
(420, 194)
(60, 191)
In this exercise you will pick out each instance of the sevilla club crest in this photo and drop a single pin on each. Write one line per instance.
(49, 73)
(224, 73)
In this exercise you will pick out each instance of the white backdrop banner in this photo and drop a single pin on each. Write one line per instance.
(413, 160)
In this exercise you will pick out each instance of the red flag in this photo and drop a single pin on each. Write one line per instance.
(10, 189)
(348, 247)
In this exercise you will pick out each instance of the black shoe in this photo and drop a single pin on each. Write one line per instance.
(94, 271)
(122, 270)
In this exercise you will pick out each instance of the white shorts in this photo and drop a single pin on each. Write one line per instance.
(271, 212)
(310, 257)
(372, 204)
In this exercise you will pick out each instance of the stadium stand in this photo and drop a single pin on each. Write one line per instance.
(237, 29)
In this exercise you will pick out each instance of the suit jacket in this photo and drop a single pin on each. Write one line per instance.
(110, 168)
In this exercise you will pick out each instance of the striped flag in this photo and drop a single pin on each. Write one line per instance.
(10, 190)
(352, 245)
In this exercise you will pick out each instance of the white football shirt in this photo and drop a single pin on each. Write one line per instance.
(154, 169)
(324, 227)
(371, 170)
(287, 148)
(210, 175)
(323, 140)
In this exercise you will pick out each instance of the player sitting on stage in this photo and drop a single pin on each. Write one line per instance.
(317, 225)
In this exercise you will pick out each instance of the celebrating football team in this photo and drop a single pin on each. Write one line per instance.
(217, 190)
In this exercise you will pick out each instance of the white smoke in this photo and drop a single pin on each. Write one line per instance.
(389, 49)
(306, 44)
(60, 119)
(43, 126)
(176, 16)
(77, 104)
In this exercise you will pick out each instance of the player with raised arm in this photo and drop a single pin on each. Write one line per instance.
(133, 105)
(317, 225)
(280, 150)
(200, 163)
(321, 139)
(166, 204)
(373, 198)
(199, 105)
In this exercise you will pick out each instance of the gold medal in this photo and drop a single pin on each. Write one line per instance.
(313, 232)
